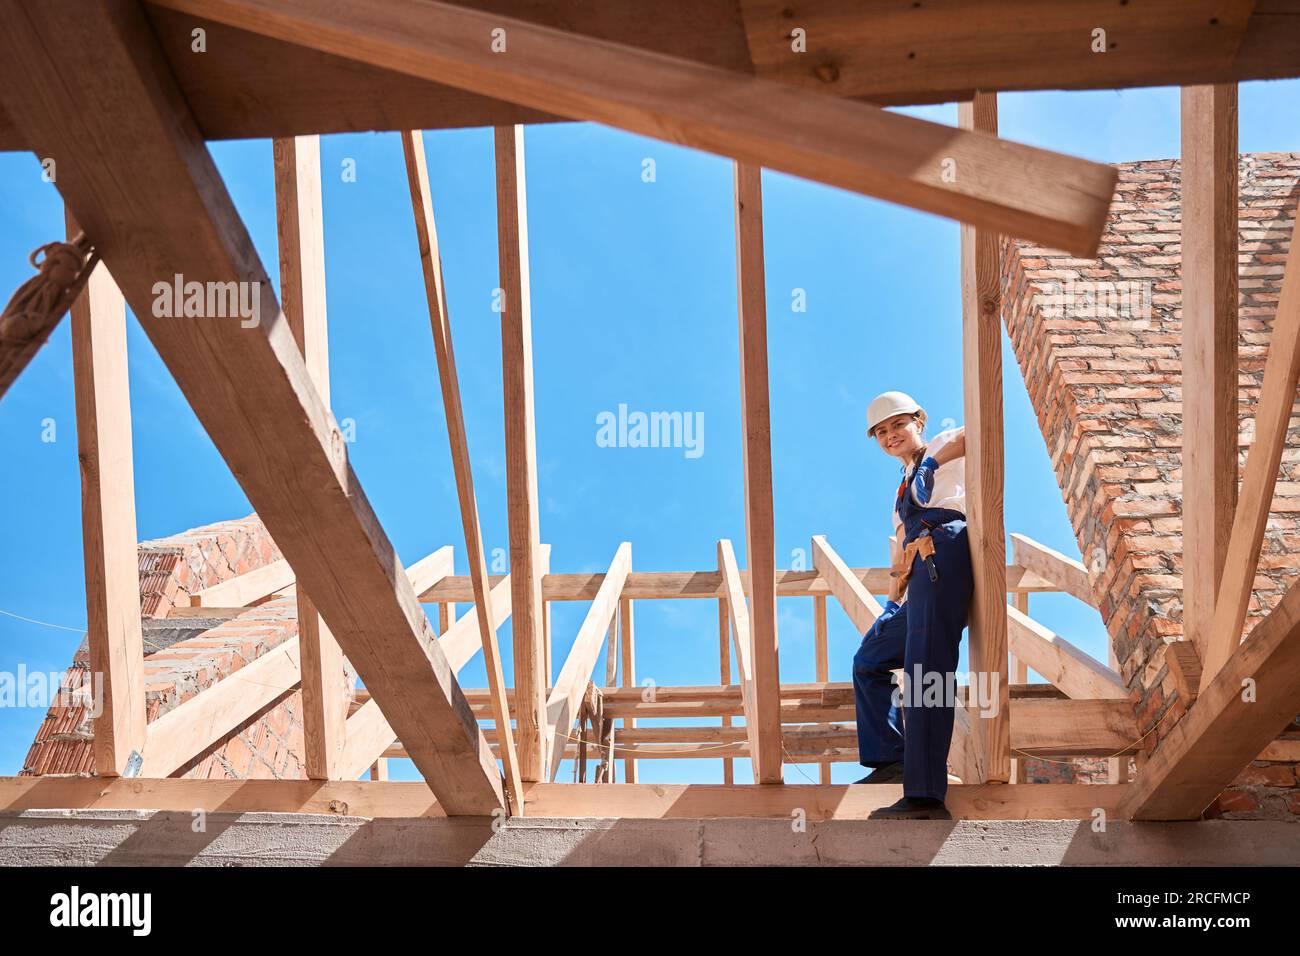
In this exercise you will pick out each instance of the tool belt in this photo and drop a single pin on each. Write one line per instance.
(922, 546)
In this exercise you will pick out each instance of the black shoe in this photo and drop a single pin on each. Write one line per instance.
(913, 808)
(887, 773)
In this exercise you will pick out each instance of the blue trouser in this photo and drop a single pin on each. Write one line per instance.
(925, 634)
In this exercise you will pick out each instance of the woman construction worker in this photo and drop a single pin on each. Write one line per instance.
(920, 629)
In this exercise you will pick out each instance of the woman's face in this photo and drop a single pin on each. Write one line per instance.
(900, 436)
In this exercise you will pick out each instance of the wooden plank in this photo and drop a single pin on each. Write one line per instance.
(724, 661)
(1066, 573)
(1017, 190)
(704, 585)
(431, 569)
(760, 532)
(417, 176)
(562, 704)
(1250, 700)
(899, 52)
(247, 588)
(858, 604)
(627, 677)
(521, 447)
(108, 531)
(326, 689)
(368, 733)
(1272, 418)
(737, 609)
(246, 85)
(90, 89)
(396, 799)
(181, 734)
(1075, 672)
(1209, 347)
(821, 663)
(982, 387)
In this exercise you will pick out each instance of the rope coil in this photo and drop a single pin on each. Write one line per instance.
(63, 269)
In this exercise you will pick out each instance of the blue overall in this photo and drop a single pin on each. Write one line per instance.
(924, 632)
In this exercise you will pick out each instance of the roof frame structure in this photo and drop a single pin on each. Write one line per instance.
(57, 58)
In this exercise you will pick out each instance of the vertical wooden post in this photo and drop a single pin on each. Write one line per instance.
(822, 661)
(521, 449)
(108, 529)
(628, 678)
(724, 660)
(1019, 672)
(982, 350)
(759, 523)
(1209, 348)
(302, 294)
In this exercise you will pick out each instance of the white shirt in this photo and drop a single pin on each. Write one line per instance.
(949, 489)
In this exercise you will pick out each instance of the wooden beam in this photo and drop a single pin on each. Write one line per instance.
(1075, 672)
(1209, 347)
(108, 531)
(704, 585)
(737, 608)
(431, 569)
(521, 448)
(1017, 190)
(88, 86)
(368, 733)
(982, 386)
(181, 734)
(561, 705)
(627, 677)
(821, 662)
(858, 604)
(724, 662)
(397, 799)
(760, 532)
(1240, 713)
(1272, 418)
(417, 176)
(247, 588)
(246, 85)
(1066, 573)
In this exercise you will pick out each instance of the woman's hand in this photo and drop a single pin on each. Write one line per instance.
(954, 449)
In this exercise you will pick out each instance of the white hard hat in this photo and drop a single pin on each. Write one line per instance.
(889, 404)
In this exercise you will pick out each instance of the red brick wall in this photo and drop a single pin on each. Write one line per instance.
(268, 745)
(1098, 344)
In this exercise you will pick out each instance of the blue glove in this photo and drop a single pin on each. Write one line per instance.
(923, 480)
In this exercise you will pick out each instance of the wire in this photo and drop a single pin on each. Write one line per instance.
(30, 620)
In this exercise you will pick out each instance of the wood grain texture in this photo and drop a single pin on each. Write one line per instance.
(1018, 190)
(756, 421)
(521, 448)
(89, 85)
(982, 386)
(1209, 347)
(417, 175)
(1272, 418)
(108, 529)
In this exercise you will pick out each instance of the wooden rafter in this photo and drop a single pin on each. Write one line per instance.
(1252, 697)
(562, 704)
(1066, 573)
(855, 49)
(1074, 671)
(90, 89)
(1018, 190)
(737, 610)
(417, 175)
(858, 604)
(521, 448)
(1272, 419)
(103, 408)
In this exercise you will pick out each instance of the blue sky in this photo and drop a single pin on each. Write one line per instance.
(633, 297)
